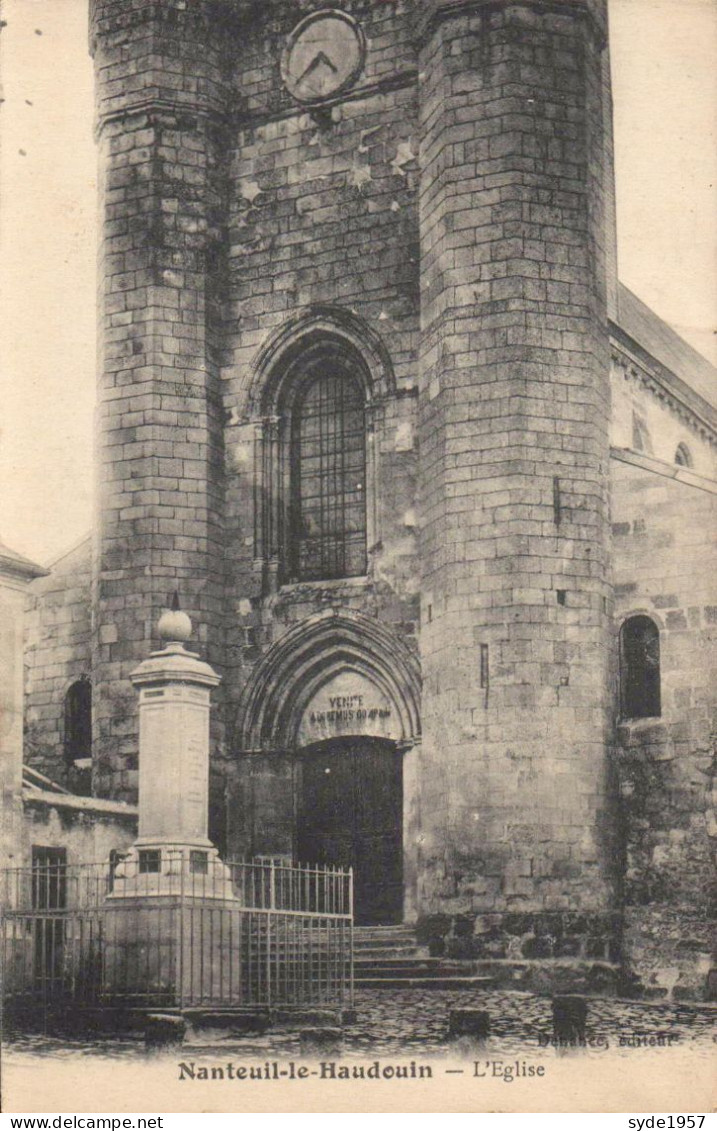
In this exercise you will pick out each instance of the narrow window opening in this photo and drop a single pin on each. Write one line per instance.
(683, 456)
(78, 721)
(557, 503)
(641, 440)
(485, 671)
(328, 473)
(562, 596)
(49, 893)
(49, 878)
(640, 669)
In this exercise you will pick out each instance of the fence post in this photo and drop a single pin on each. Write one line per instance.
(351, 937)
(180, 960)
(268, 956)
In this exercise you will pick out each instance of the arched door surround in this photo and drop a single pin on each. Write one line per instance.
(306, 658)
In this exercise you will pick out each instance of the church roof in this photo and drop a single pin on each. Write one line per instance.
(17, 564)
(665, 345)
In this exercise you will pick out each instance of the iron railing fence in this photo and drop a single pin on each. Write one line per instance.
(181, 931)
(262, 884)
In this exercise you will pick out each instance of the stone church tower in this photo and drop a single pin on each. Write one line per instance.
(353, 405)
(514, 409)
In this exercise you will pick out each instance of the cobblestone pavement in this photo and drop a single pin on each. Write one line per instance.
(408, 1022)
(406, 1019)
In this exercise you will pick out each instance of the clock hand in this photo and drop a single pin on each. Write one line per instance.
(318, 59)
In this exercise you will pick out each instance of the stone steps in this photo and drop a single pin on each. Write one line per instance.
(391, 958)
(386, 944)
(439, 981)
(386, 949)
(395, 967)
(398, 952)
(383, 936)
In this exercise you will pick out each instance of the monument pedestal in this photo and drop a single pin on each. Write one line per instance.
(173, 936)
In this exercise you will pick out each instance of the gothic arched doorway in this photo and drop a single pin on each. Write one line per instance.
(338, 693)
(350, 814)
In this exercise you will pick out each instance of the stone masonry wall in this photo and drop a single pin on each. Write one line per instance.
(656, 425)
(88, 834)
(664, 567)
(57, 653)
(163, 103)
(322, 216)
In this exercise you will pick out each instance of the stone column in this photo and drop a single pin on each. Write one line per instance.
(16, 572)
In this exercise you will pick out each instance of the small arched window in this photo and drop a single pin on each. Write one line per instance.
(78, 721)
(327, 511)
(639, 669)
(683, 457)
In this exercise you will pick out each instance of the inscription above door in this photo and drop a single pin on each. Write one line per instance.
(348, 704)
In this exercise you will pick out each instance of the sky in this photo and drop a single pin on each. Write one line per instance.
(664, 62)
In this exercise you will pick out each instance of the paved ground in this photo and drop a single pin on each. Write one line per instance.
(408, 1019)
(396, 1032)
(408, 1022)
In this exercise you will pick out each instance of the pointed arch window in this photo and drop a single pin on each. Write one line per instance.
(313, 478)
(639, 669)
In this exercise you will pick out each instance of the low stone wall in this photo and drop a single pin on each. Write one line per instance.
(524, 935)
(669, 885)
(88, 828)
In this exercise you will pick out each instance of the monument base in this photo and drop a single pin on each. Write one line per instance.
(155, 868)
(173, 929)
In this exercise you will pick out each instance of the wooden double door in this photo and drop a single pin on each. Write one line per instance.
(351, 815)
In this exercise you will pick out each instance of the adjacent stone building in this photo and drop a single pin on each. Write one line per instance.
(435, 489)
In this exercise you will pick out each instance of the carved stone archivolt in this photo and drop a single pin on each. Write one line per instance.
(310, 656)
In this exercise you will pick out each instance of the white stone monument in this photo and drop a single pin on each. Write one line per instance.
(172, 853)
(172, 923)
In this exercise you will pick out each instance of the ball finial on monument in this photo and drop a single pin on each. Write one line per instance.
(174, 626)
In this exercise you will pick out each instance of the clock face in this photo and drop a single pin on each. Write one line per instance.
(324, 54)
